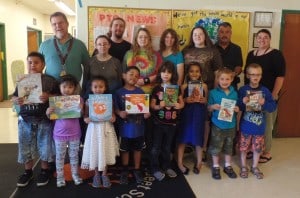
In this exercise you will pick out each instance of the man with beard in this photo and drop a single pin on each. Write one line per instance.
(231, 53)
(119, 46)
(63, 53)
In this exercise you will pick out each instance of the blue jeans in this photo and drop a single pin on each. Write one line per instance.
(161, 146)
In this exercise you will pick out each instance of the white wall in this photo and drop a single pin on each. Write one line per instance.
(16, 18)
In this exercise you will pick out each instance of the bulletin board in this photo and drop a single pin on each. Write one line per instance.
(184, 20)
(99, 18)
(157, 21)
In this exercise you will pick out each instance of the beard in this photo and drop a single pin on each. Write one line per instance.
(119, 35)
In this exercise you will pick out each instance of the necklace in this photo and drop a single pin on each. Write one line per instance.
(256, 54)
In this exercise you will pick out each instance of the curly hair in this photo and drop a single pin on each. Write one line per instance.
(162, 44)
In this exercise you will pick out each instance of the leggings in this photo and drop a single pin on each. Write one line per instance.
(61, 149)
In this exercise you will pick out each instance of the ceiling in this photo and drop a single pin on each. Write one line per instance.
(46, 6)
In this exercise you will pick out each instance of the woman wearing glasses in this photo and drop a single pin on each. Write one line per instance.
(273, 72)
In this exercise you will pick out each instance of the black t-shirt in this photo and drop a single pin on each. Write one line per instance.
(37, 112)
(118, 50)
(273, 66)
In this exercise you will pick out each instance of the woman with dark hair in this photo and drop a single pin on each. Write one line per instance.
(273, 72)
(200, 49)
(104, 64)
(169, 49)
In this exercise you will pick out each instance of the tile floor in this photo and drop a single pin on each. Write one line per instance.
(282, 173)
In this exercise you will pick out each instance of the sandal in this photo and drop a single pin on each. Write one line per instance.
(255, 171)
(244, 172)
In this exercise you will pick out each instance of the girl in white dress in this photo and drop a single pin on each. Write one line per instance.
(100, 145)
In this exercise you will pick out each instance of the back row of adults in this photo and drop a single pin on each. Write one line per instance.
(65, 54)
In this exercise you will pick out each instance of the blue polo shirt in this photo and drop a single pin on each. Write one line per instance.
(78, 57)
(215, 97)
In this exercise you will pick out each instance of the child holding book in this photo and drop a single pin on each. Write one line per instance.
(100, 145)
(34, 128)
(222, 104)
(67, 133)
(254, 101)
(131, 126)
(193, 116)
(166, 101)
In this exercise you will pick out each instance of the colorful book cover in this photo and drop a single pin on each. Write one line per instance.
(100, 107)
(195, 88)
(137, 103)
(170, 95)
(227, 110)
(65, 107)
(253, 104)
(30, 87)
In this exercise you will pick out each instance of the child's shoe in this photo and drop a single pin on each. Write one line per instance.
(216, 173)
(171, 173)
(43, 178)
(96, 181)
(230, 172)
(124, 177)
(105, 181)
(24, 179)
(77, 180)
(159, 175)
(60, 182)
(138, 176)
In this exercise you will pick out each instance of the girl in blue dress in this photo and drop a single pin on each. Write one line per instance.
(193, 116)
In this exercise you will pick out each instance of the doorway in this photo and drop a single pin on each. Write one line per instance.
(34, 38)
(289, 105)
(3, 78)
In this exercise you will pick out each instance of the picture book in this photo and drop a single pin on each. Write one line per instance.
(170, 95)
(227, 110)
(100, 107)
(65, 107)
(253, 104)
(137, 103)
(30, 87)
(195, 88)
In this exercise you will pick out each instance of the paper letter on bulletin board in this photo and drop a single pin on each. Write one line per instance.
(184, 20)
(156, 21)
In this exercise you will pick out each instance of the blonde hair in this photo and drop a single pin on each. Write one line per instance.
(136, 48)
(224, 70)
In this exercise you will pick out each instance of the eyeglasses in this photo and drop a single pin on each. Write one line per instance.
(102, 44)
(255, 75)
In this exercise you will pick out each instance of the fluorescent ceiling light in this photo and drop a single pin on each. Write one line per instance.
(65, 8)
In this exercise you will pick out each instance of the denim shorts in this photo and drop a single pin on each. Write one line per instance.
(34, 138)
(221, 140)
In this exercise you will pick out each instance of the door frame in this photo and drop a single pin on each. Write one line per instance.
(39, 34)
(283, 13)
(4, 65)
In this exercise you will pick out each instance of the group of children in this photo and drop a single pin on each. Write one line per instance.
(184, 120)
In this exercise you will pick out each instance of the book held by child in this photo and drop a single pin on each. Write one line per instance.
(227, 110)
(65, 107)
(100, 107)
(170, 95)
(30, 87)
(254, 96)
(137, 103)
(195, 88)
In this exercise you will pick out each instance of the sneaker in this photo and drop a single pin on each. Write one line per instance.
(77, 180)
(230, 172)
(60, 182)
(171, 173)
(43, 178)
(159, 175)
(105, 181)
(138, 176)
(124, 177)
(96, 181)
(24, 179)
(216, 173)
